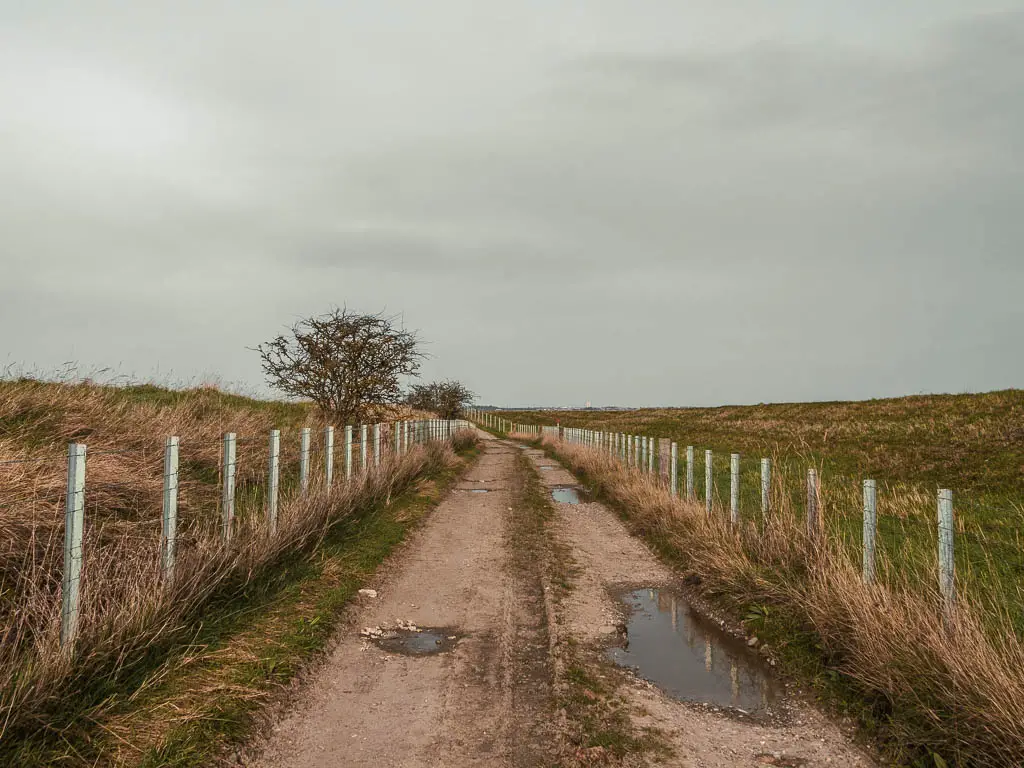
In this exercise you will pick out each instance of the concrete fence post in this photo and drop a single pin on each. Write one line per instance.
(273, 478)
(397, 427)
(228, 489)
(304, 459)
(766, 484)
(348, 452)
(74, 522)
(328, 456)
(812, 503)
(691, 491)
(643, 454)
(947, 566)
(674, 470)
(169, 517)
(709, 480)
(870, 527)
(734, 488)
(376, 445)
(364, 445)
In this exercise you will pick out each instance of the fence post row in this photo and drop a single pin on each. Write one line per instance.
(74, 504)
(74, 520)
(169, 518)
(228, 490)
(636, 451)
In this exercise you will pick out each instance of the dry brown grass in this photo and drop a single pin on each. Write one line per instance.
(128, 614)
(952, 689)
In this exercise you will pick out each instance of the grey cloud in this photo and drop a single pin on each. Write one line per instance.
(589, 205)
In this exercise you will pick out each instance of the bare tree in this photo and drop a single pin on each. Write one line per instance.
(343, 361)
(445, 398)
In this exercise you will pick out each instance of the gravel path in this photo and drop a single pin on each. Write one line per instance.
(486, 699)
(609, 560)
(472, 705)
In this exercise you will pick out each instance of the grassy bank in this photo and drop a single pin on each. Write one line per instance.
(972, 444)
(136, 626)
(189, 669)
(936, 692)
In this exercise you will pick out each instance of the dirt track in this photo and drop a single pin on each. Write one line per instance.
(489, 700)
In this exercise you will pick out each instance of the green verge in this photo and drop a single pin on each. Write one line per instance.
(195, 707)
(600, 728)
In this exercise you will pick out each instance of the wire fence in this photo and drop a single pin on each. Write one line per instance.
(135, 510)
(893, 532)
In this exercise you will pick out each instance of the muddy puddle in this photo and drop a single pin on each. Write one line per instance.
(420, 642)
(548, 467)
(570, 494)
(691, 658)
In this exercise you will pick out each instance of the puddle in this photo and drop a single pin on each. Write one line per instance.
(548, 467)
(570, 494)
(416, 643)
(479, 490)
(691, 658)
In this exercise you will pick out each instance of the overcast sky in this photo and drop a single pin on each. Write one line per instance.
(659, 202)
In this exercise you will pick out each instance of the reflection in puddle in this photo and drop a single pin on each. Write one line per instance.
(412, 643)
(569, 494)
(691, 658)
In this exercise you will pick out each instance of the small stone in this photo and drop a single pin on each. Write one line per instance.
(368, 592)
(752, 642)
